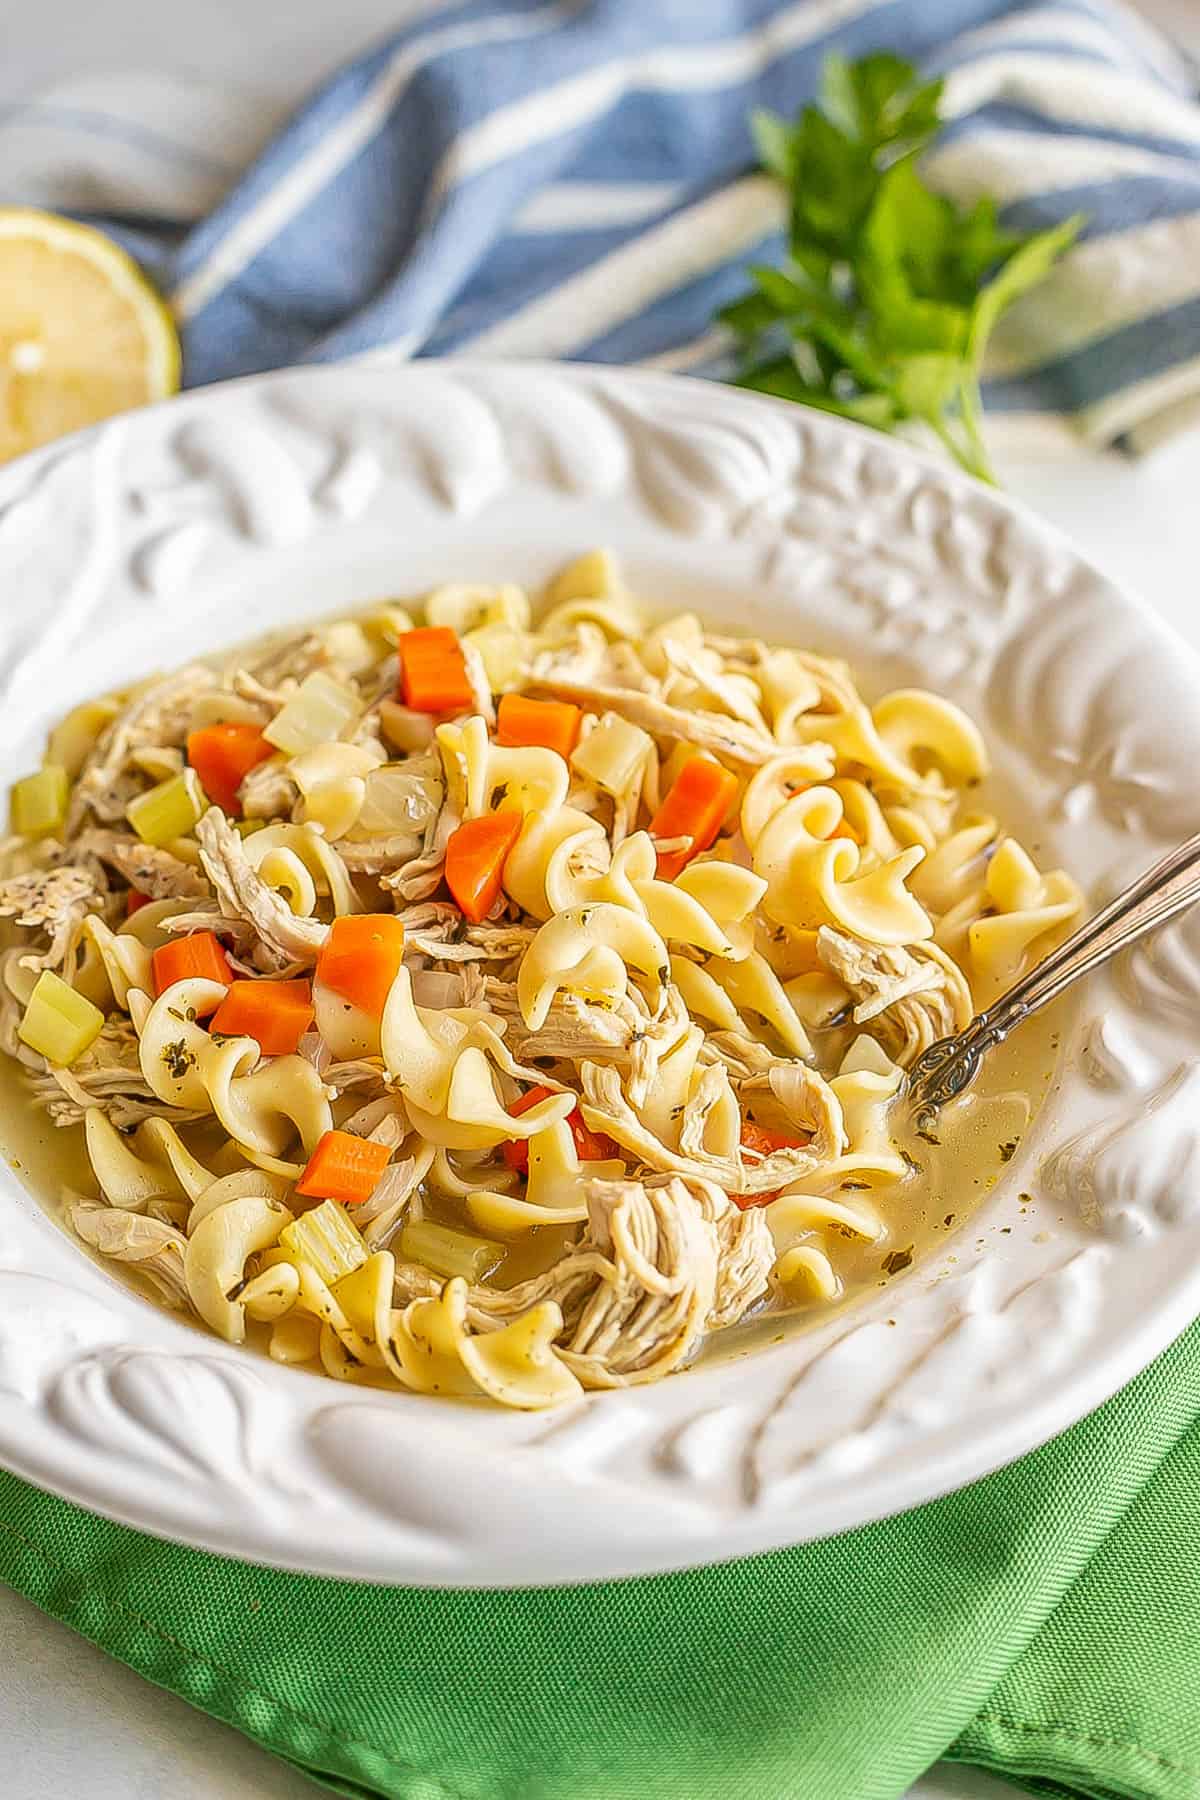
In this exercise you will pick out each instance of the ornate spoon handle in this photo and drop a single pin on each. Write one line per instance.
(947, 1067)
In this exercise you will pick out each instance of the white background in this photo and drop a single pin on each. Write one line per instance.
(71, 1720)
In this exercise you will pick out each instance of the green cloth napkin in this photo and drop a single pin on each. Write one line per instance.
(1044, 1623)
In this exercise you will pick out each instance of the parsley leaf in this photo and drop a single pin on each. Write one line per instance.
(890, 292)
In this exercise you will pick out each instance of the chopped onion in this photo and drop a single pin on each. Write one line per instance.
(405, 729)
(394, 1186)
(313, 1048)
(437, 989)
(400, 795)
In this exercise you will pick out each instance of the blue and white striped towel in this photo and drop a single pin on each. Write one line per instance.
(516, 178)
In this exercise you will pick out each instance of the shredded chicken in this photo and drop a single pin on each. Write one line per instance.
(283, 938)
(816, 1109)
(152, 871)
(268, 791)
(743, 1056)
(153, 1248)
(745, 1256)
(730, 738)
(54, 902)
(909, 997)
(158, 714)
(357, 1073)
(572, 1028)
(238, 934)
(639, 1291)
(499, 942)
(108, 1075)
(726, 690)
(422, 875)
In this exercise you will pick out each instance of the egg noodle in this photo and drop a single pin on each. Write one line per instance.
(494, 1007)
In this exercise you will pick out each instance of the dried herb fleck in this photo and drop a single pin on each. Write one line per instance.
(178, 1059)
(895, 1260)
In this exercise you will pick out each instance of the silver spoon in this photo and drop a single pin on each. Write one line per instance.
(948, 1067)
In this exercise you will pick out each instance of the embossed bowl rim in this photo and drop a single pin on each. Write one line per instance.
(335, 484)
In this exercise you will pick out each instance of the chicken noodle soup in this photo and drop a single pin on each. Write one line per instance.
(501, 1007)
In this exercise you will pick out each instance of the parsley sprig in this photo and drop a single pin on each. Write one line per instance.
(883, 309)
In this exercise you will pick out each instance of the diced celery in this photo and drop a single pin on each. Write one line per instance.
(449, 1252)
(326, 1240)
(39, 802)
(612, 755)
(59, 1022)
(169, 810)
(318, 711)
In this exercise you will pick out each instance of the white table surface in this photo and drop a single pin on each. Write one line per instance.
(71, 1720)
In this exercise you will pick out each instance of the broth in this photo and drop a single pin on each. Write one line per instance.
(977, 1135)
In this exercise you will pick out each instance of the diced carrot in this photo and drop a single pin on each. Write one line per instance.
(276, 1014)
(134, 902)
(765, 1141)
(361, 957)
(844, 829)
(695, 806)
(198, 956)
(475, 857)
(433, 671)
(590, 1146)
(762, 1139)
(344, 1167)
(747, 1202)
(222, 756)
(552, 724)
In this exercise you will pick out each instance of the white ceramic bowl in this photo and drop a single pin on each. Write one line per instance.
(234, 509)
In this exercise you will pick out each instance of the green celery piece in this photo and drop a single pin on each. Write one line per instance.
(326, 1240)
(39, 802)
(449, 1252)
(169, 810)
(58, 1022)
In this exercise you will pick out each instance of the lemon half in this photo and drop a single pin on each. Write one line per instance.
(83, 335)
